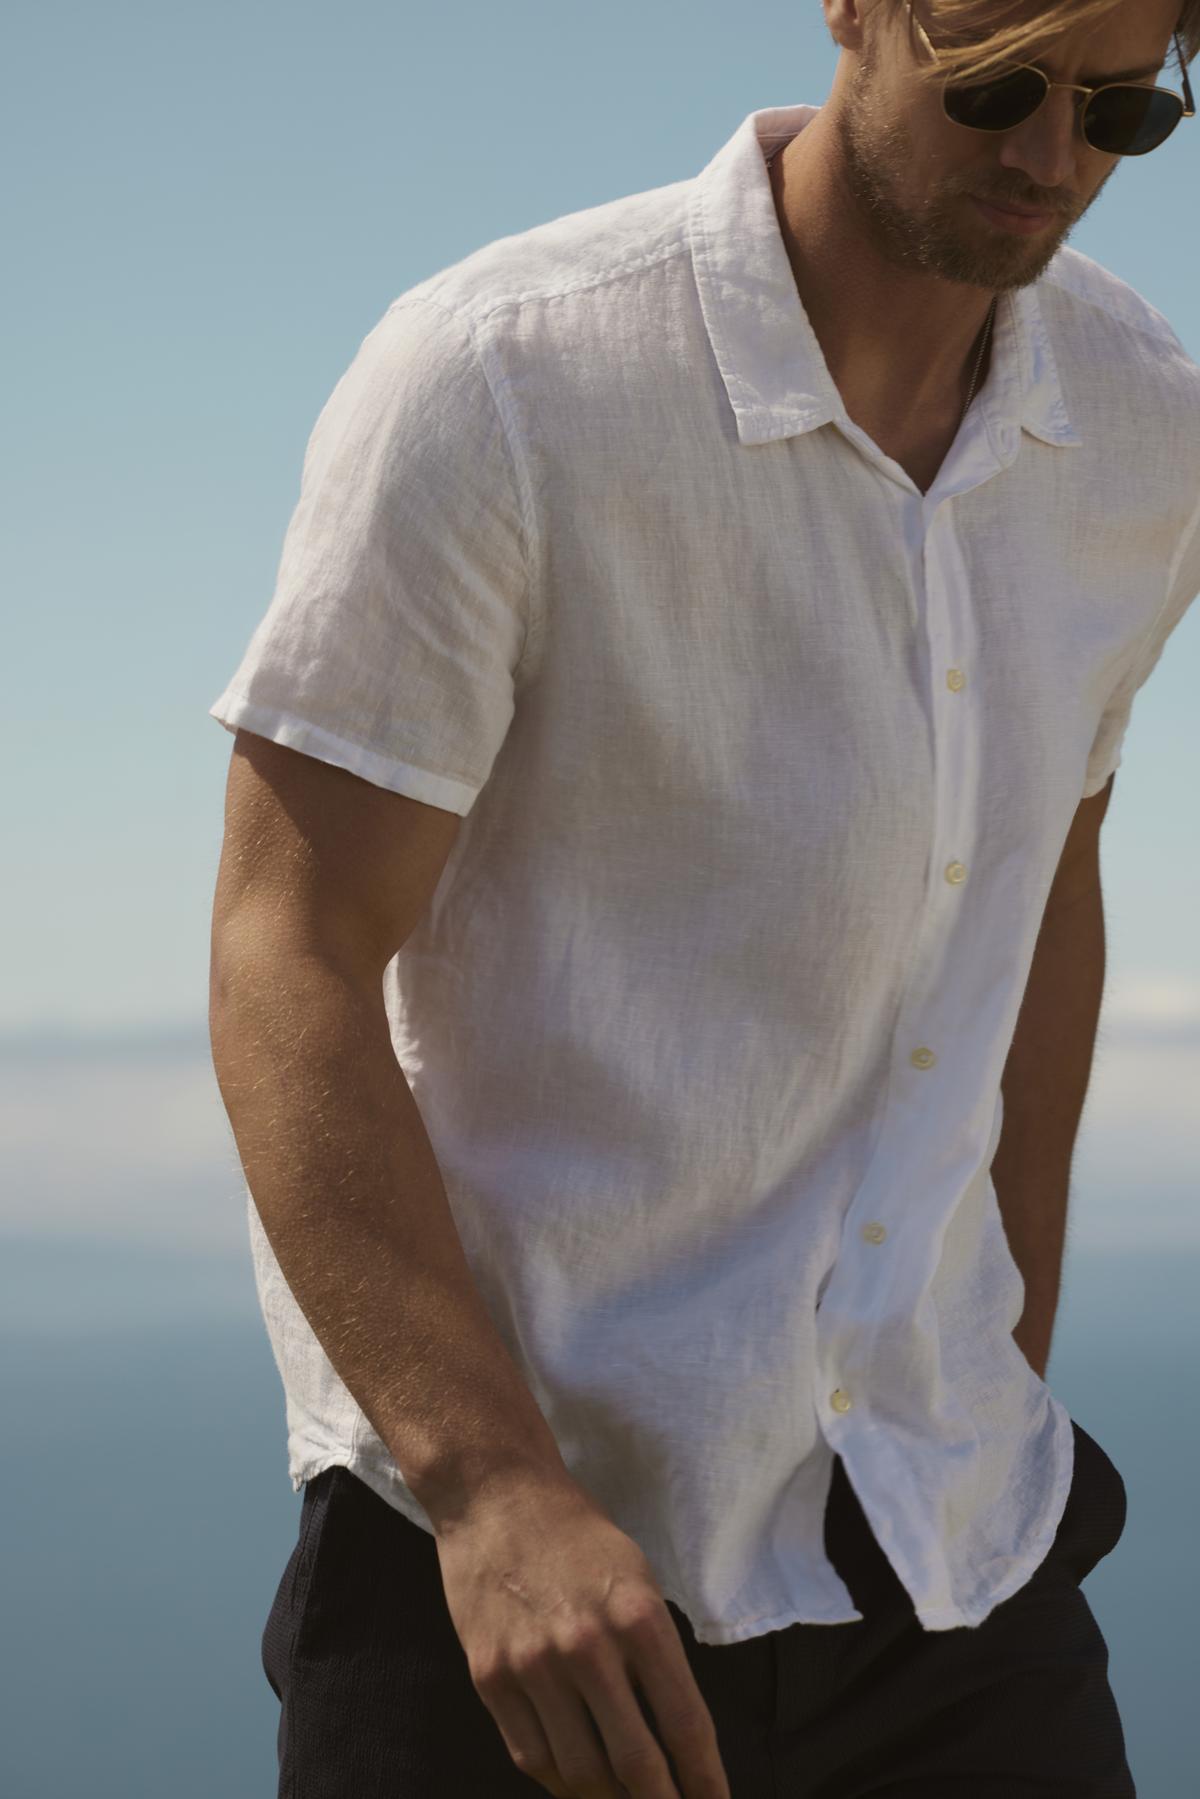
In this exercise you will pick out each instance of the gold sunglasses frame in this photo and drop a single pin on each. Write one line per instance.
(1186, 99)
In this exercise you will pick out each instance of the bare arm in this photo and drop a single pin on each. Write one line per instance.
(1046, 1077)
(322, 877)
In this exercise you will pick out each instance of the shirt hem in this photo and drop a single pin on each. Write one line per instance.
(719, 1635)
(390, 1488)
(295, 733)
(395, 1494)
(971, 1616)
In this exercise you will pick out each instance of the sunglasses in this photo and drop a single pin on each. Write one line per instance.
(1119, 118)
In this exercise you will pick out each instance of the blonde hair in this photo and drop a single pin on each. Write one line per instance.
(992, 36)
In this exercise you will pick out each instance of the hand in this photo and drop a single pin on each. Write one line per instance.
(559, 1614)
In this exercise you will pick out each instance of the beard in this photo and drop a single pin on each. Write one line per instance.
(940, 234)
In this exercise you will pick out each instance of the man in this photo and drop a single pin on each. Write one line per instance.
(658, 946)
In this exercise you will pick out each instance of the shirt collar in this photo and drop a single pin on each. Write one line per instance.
(770, 360)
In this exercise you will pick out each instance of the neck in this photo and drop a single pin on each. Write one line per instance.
(984, 360)
(896, 340)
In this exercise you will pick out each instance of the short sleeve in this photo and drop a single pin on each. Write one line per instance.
(400, 607)
(1109, 742)
(1184, 585)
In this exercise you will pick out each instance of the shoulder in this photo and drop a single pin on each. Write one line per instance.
(579, 254)
(1104, 313)
(1130, 383)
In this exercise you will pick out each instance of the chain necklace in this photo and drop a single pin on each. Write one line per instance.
(987, 332)
(987, 329)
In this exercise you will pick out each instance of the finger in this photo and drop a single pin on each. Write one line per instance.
(681, 1717)
(634, 1757)
(516, 1718)
(577, 1740)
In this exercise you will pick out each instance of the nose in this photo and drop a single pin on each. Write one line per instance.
(1045, 147)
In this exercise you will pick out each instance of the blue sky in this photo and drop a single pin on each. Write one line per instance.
(214, 205)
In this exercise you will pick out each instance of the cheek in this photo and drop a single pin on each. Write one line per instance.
(961, 157)
(1096, 171)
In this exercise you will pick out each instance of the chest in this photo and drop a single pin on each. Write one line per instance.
(919, 447)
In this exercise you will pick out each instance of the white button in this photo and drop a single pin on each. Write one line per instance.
(874, 1233)
(955, 872)
(840, 1400)
(955, 679)
(922, 1058)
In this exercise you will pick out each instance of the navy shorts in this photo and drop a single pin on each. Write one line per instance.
(376, 1699)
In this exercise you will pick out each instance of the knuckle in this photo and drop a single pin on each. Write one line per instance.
(537, 1765)
(486, 1677)
(522, 1671)
(582, 1643)
(642, 1618)
(689, 1722)
(582, 1773)
(633, 1760)
(535, 1663)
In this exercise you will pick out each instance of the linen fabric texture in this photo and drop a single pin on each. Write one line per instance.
(765, 761)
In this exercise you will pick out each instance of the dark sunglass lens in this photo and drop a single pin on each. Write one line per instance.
(1128, 121)
(998, 104)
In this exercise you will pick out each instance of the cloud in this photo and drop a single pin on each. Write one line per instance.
(119, 1138)
(124, 1139)
(1145, 1008)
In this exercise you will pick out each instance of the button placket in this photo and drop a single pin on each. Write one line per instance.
(948, 621)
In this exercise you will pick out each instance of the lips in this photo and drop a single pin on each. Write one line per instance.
(1020, 212)
(1018, 224)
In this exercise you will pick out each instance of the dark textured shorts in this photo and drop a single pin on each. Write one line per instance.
(377, 1701)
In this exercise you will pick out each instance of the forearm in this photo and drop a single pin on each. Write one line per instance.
(1045, 1085)
(344, 1178)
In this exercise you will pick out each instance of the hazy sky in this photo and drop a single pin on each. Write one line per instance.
(214, 205)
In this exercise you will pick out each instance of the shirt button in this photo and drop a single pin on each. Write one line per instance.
(922, 1058)
(955, 872)
(840, 1400)
(955, 679)
(874, 1233)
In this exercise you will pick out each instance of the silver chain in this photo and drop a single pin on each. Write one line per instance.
(987, 329)
(987, 332)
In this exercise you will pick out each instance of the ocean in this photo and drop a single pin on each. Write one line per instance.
(148, 1515)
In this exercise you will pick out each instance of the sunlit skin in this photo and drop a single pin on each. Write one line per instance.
(895, 266)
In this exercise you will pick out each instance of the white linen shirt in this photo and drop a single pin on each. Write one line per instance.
(765, 762)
